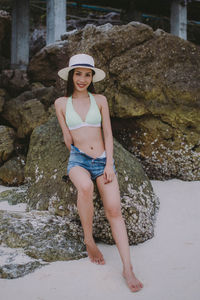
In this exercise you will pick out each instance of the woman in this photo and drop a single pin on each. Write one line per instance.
(80, 116)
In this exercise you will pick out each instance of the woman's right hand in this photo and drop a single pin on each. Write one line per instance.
(108, 174)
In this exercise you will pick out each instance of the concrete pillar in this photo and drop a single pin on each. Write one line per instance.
(56, 20)
(178, 18)
(20, 35)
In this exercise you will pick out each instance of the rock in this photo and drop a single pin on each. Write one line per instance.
(15, 81)
(47, 191)
(46, 95)
(15, 263)
(7, 137)
(159, 32)
(45, 64)
(39, 63)
(2, 98)
(28, 110)
(42, 236)
(152, 86)
(165, 151)
(14, 195)
(32, 114)
(36, 85)
(31, 239)
(165, 94)
(12, 171)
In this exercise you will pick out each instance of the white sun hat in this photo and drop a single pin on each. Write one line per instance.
(82, 61)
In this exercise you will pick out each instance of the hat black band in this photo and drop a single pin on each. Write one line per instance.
(85, 65)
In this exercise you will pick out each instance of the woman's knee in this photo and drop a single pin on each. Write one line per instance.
(86, 188)
(113, 211)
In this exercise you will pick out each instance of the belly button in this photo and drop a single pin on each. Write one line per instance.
(91, 148)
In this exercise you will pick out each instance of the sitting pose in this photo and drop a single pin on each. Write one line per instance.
(81, 114)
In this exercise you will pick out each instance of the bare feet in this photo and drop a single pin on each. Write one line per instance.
(133, 283)
(94, 254)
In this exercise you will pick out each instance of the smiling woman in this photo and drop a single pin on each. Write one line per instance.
(78, 73)
(81, 114)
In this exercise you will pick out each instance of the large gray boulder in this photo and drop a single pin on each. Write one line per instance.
(46, 165)
(31, 239)
(152, 86)
(41, 234)
(29, 109)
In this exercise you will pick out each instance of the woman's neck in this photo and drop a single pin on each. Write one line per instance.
(77, 94)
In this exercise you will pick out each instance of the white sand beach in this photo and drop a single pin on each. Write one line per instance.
(168, 264)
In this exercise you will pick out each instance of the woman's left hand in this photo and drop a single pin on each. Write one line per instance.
(108, 174)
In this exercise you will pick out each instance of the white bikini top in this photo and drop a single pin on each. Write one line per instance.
(74, 121)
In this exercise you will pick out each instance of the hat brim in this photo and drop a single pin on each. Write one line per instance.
(98, 76)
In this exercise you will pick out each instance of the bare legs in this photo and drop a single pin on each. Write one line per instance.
(111, 200)
(81, 179)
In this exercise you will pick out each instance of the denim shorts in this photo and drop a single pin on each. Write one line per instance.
(95, 166)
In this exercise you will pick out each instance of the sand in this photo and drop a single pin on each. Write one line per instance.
(168, 264)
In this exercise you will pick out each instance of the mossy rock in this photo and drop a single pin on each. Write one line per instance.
(46, 165)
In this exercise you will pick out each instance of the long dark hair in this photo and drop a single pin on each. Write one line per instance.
(70, 84)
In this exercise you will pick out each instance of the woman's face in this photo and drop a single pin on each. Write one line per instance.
(82, 78)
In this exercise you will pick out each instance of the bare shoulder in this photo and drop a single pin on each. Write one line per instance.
(100, 99)
(60, 101)
(60, 105)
